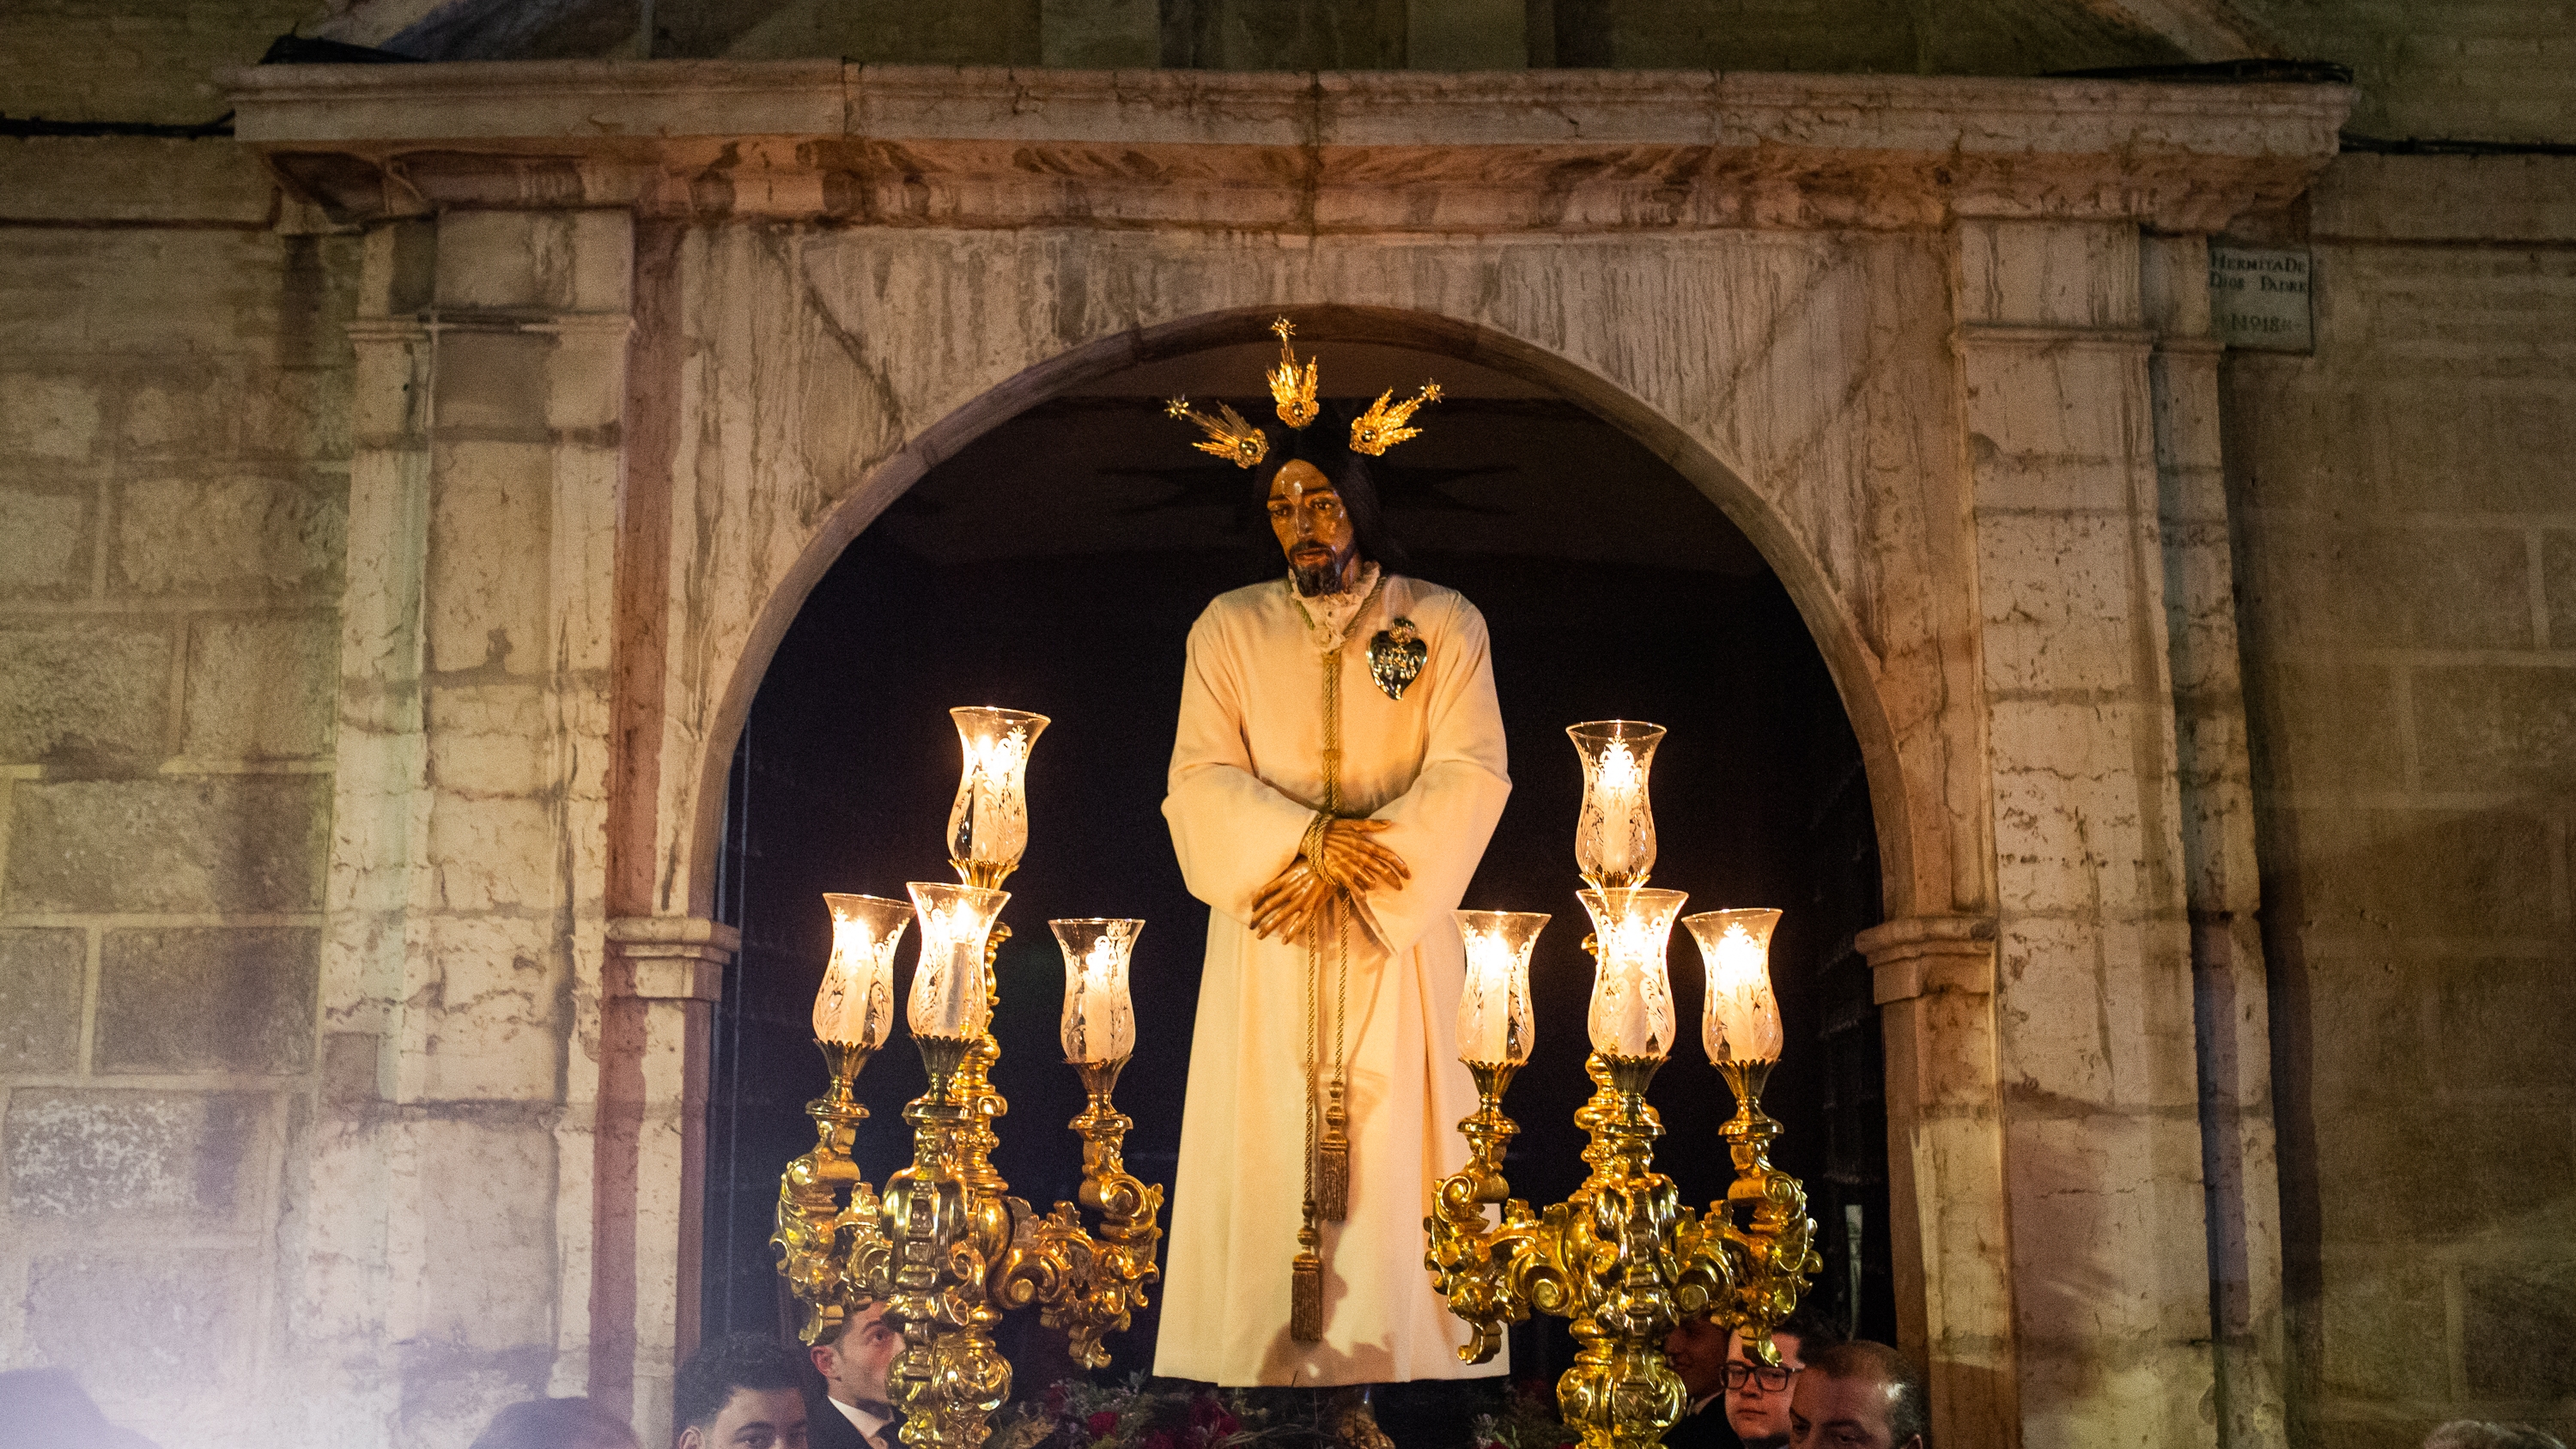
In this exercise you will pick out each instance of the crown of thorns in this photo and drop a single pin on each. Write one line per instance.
(1292, 392)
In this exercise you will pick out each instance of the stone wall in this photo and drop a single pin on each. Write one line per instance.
(2487, 70)
(2406, 518)
(174, 386)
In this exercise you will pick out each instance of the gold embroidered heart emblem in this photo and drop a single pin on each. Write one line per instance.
(1395, 657)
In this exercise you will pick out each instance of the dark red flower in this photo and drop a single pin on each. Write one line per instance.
(1159, 1439)
(1209, 1420)
(1101, 1424)
(1054, 1400)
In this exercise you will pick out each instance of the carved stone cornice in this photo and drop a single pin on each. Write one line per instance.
(1310, 153)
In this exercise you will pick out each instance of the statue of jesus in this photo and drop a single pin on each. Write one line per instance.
(1338, 769)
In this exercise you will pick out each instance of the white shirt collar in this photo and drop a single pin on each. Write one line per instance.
(869, 1425)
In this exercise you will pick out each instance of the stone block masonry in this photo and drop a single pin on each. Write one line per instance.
(2407, 525)
(173, 482)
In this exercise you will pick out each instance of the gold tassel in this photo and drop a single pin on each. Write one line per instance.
(1333, 1159)
(1306, 1285)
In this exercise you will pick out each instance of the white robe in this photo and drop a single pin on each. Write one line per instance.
(1247, 776)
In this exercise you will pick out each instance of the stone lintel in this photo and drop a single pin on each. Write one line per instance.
(1921, 955)
(669, 958)
(1309, 153)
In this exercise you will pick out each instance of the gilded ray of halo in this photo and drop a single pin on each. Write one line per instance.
(1228, 435)
(1383, 425)
(1292, 387)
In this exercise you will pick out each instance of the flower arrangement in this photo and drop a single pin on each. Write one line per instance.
(1143, 1413)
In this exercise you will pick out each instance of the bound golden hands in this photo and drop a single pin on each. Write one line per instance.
(1350, 860)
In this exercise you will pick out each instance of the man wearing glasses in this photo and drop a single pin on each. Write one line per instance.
(1735, 1398)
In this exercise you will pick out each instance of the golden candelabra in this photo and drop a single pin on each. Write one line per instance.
(945, 1247)
(1622, 1258)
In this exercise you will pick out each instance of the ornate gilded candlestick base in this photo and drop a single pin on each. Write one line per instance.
(1764, 1217)
(1621, 1258)
(942, 1238)
(1091, 1284)
(811, 1218)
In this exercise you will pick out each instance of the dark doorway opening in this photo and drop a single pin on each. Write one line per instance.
(1056, 565)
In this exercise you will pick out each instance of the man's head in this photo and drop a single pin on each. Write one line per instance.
(1323, 509)
(1859, 1396)
(2477, 1434)
(741, 1391)
(556, 1424)
(856, 1357)
(1711, 1360)
(1757, 1394)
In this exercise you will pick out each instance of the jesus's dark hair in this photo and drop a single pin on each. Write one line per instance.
(1326, 443)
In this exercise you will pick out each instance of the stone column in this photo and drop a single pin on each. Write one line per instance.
(2093, 992)
(665, 974)
(443, 1229)
(1934, 980)
(2219, 880)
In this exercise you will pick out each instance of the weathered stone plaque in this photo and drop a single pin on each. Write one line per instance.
(2259, 299)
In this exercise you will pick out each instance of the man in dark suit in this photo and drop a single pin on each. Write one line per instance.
(1734, 1398)
(854, 1359)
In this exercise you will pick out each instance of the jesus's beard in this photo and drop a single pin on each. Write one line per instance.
(1320, 577)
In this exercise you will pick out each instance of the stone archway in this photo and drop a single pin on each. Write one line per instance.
(1851, 658)
(632, 354)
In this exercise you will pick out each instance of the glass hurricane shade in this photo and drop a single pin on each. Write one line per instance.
(988, 824)
(1495, 1023)
(1632, 992)
(1099, 1019)
(1614, 834)
(950, 998)
(856, 1005)
(1741, 1019)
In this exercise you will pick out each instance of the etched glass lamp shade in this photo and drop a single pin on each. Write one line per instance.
(1632, 991)
(950, 1000)
(1614, 836)
(856, 1005)
(1495, 1023)
(1741, 1020)
(988, 824)
(1099, 1020)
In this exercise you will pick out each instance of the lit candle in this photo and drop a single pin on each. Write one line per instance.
(949, 998)
(1099, 1023)
(988, 823)
(1741, 1019)
(1622, 794)
(1495, 1023)
(1632, 992)
(856, 1005)
(1614, 835)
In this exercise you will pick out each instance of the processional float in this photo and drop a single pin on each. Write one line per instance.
(948, 1250)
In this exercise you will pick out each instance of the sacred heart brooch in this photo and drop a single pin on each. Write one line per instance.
(1396, 655)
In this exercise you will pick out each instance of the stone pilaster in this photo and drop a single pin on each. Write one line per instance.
(2219, 880)
(2093, 992)
(665, 974)
(1934, 980)
(446, 1216)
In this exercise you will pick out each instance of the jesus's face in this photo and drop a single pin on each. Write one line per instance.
(1313, 528)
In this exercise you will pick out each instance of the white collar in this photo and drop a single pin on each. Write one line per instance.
(867, 1424)
(1332, 615)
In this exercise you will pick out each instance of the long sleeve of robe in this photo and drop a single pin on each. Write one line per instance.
(1247, 776)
